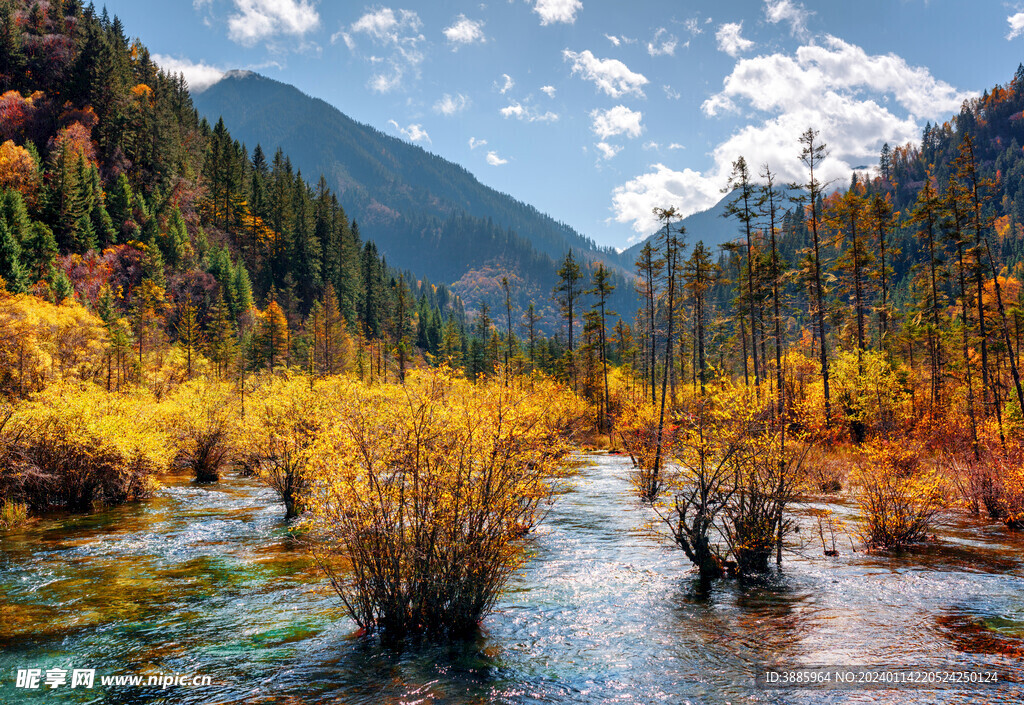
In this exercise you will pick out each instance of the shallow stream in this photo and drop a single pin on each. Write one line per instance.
(206, 580)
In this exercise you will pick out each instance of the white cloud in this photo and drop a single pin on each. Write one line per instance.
(608, 150)
(676, 145)
(856, 101)
(635, 200)
(413, 133)
(517, 110)
(730, 41)
(474, 143)
(671, 93)
(663, 44)
(779, 81)
(199, 76)
(1016, 22)
(619, 120)
(693, 26)
(610, 75)
(613, 39)
(651, 145)
(449, 104)
(465, 31)
(396, 32)
(255, 20)
(494, 160)
(788, 11)
(506, 85)
(552, 11)
(549, 91)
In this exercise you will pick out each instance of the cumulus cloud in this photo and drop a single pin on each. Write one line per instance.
(662, 187)
(779, 81)
(608, 150)
(651, 145)
(474, 143)
(256, 20)
(494, 160)
(398, 33)
(794, 13)
(552, 11)
(610, 75)
(856, 101)
(619, 120)
(663, 44)
(549, 91)
(671, 93)
(613, 39)
(517, 110)
(413, 133)
(730, 40)
(451, 104)
(465, 31)
(1016, 22)
(199, 76)
(506, 84)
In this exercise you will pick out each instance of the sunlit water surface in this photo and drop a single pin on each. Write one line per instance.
(206, 580)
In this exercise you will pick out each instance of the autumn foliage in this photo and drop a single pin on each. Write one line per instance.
(423, 495)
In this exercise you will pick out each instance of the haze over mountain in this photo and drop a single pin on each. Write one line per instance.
(423, 212)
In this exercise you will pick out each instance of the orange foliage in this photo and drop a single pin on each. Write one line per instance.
(142, 91)
(18, 171)
(76, 138)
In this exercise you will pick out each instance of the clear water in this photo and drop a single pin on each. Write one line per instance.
(206, 580)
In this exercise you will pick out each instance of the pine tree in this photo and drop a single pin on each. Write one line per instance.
(272, 338)
(567, 293)
(11, 270)
(220, 332)
(190, 334)
(926, 216)
(741, 208)
(812, 153)
(601, 289)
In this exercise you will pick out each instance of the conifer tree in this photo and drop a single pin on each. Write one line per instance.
(567, 293)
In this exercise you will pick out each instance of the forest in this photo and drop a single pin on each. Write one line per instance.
(177, 304)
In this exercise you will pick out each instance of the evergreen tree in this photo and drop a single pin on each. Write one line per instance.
(567, 293)
(11, 270)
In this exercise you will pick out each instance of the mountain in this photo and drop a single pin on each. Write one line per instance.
(422, 211)
(710, 226)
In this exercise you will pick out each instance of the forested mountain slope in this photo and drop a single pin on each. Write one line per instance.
(421, 210)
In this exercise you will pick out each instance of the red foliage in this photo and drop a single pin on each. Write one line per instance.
(88, 273)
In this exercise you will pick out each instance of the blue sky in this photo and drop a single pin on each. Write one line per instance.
(597, 111)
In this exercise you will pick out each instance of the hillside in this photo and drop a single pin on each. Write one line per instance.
(422, 211)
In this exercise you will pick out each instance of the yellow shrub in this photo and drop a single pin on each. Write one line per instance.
(425, 491)
(79, 444)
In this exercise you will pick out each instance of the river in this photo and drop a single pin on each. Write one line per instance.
(206, 580)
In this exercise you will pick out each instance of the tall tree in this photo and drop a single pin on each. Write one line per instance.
(670, 245)
(648, 270)
(925, 217)
(601, 289)
(769, 201)
(741, 208)
(567, 293)
(812, 153)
